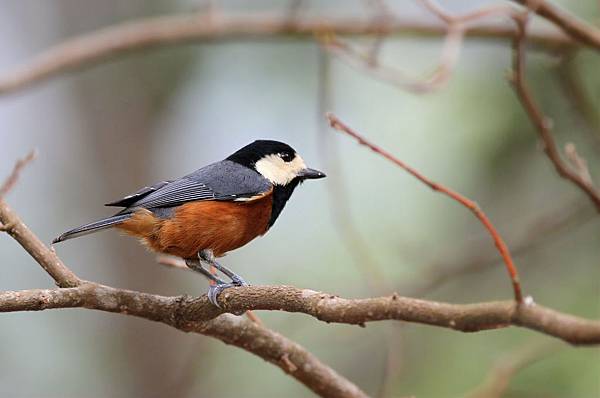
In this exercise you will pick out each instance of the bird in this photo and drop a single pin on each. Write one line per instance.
(211, 211)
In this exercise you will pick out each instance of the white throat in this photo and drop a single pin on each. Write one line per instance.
(278, 171)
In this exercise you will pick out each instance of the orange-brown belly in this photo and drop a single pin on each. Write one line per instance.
(195, 226)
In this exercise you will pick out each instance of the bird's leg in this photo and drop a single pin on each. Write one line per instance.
(196, 265)
(208, 257)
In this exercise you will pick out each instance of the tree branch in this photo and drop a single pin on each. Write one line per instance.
(99, 46)
(180, 312)
(571, 25)
(466, 202)
(539, 120)
(12, 179)
(191, 314)
(47, 258)
(12, 225)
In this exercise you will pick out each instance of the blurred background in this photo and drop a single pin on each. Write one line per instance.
(367, 230)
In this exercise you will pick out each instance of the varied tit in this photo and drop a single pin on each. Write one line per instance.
(213, 210)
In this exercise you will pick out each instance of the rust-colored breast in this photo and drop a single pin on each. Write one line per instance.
(194, 226)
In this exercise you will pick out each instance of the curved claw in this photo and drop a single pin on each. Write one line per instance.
(215, 290)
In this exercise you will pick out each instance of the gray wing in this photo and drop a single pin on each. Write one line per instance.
(225, 180)
(134, 197)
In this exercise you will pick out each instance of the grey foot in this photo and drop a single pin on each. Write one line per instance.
(207, 256)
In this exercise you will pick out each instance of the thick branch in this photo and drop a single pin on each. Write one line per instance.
(97, 47)
(191, 314)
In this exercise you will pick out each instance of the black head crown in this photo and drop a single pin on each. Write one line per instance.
(252, 153)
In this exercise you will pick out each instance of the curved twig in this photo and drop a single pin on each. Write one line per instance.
(542, 124)
(466, 202)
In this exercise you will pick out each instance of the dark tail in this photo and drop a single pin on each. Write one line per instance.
(92, 227)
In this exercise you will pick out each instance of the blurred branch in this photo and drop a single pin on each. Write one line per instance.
(571, 25)
(100, 46)
(340, 211)
(456, 27)
(367, 62)
(536, 235)
(499, 377)
(543, 125)
(347, 229)
(466, 202)
(582, 104)
(12, 179)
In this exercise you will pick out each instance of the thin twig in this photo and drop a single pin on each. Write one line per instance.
(46, 257)
(365, 62)
(582, 102)
(469, 204)
(456, 27)
(12, 179)
(537, 234)
(571, 25)
(578, 163)
(539, 120)
(363, 259)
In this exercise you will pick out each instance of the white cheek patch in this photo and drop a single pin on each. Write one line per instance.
(278, 171)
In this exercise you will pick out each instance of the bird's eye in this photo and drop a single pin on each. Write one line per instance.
(287, 157)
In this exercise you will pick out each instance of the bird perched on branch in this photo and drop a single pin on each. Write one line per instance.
(213, 210)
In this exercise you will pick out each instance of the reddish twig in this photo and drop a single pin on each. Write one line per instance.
(469, 204)
(540, 121)
(541, 232)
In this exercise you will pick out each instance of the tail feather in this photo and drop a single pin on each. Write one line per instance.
(92, 227)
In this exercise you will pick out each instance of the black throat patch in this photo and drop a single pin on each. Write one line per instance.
(281, 194)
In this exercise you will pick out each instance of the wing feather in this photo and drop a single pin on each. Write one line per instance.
(223, 181)
(134, 197)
